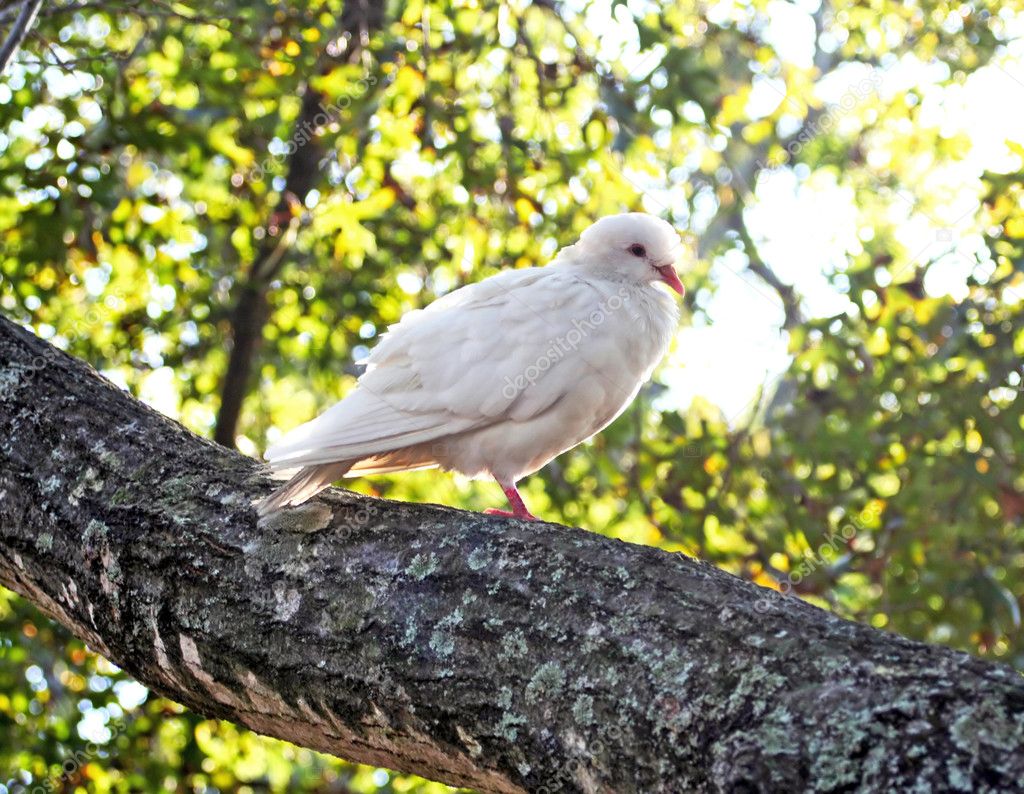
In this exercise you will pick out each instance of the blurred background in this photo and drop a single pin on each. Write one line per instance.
(221, 205)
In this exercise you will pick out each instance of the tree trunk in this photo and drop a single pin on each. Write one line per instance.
(358, 20)
(480, 651)
(250, 312)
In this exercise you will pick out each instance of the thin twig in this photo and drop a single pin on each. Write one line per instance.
(22, 25)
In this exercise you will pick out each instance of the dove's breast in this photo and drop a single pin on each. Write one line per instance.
(575, 383)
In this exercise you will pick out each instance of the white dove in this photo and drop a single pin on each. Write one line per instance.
(499, 377)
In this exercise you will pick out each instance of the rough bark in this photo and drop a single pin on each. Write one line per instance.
(479, 651)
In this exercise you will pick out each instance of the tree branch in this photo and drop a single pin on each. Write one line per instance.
(479, 651)
(22, 25)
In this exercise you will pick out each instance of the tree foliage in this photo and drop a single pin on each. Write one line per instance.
(145, 153)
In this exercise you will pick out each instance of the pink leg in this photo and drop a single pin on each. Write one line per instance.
(518, 505)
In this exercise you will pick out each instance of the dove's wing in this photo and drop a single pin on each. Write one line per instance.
(477, 356)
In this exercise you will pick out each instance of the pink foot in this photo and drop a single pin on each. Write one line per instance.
(518, 505)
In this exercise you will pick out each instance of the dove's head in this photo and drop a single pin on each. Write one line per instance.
(633, 246)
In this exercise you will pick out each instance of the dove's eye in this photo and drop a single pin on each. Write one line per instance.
(637, 250)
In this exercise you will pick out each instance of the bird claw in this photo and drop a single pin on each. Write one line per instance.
(509, 514)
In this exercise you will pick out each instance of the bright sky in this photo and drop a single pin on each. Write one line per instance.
(805, 225)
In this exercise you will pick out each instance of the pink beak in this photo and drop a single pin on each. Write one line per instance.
(668, 275)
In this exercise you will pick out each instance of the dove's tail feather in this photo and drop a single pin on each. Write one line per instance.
(406, 459)
(309, 481)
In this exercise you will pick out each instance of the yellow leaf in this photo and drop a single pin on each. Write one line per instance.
(595, 133)
(138, 172)
(733, 108)
(878, 343)
(761, 442)
(758, 131)
(766, 580)
(412, 12)
(524, 209)
(715, 463)
(124, 207)
(1015, 227)
(279, 68)
(222, 138)
(885, 485)
(375, 205)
